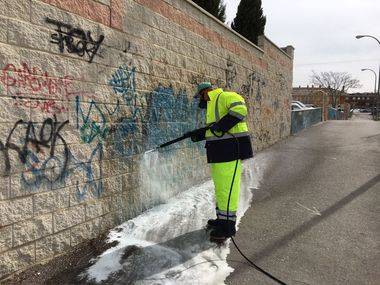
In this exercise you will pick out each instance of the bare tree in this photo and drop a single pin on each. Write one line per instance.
(336, 83)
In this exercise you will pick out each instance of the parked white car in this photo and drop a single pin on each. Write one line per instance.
(297, 105)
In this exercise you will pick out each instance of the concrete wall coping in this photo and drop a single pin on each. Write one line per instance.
(236, 33)
(277, 47)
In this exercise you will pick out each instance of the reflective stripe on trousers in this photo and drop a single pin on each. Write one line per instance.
(222, 215)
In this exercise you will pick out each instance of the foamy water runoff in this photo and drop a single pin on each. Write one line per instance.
(168, 244)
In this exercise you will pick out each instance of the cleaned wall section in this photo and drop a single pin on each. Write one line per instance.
(86, 87)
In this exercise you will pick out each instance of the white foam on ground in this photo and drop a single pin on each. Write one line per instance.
(175, 248)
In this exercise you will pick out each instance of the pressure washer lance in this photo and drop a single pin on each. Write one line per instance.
(185, 136)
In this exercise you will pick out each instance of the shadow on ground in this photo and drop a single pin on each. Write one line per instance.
(283, 241)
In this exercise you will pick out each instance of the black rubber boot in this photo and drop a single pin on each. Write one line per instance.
(224, 231)
(211, 224)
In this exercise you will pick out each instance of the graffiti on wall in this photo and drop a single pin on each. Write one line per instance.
(282, 90)
(230, 77)
(145, 128)
(123, 83)
(40, 147)
(91, 169)
(276, 103)
(166, 106)
(75, 40)
(195, 79)
(260, 84)
(94, 119)
(92, 124)
(131, 128)
(230, 74)
(129, 47)
(29, 141)
(33, 88)
(47, 158)
(282, 81)
(56, 172)
(248, 88)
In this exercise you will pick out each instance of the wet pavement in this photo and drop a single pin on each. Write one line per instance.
(315, 218)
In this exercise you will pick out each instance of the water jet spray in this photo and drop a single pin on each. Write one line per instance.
(185, 136)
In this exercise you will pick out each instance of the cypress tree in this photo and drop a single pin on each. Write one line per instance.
(249, 21)
(215, 7)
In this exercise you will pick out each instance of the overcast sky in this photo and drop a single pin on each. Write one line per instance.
(323, 34)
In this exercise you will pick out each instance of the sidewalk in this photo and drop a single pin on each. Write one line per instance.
(315, 218)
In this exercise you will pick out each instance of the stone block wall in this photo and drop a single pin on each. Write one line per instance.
(87, 87)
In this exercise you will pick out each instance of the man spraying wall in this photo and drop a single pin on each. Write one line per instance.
(227, 143)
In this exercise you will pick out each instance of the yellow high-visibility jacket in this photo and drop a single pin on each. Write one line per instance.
(234, 143)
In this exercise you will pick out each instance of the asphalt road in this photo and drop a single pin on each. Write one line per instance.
(315, 219)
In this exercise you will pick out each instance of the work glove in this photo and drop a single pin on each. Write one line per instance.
(225, 124)
(197, 135)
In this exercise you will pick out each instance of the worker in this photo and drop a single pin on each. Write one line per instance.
(227, 143)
